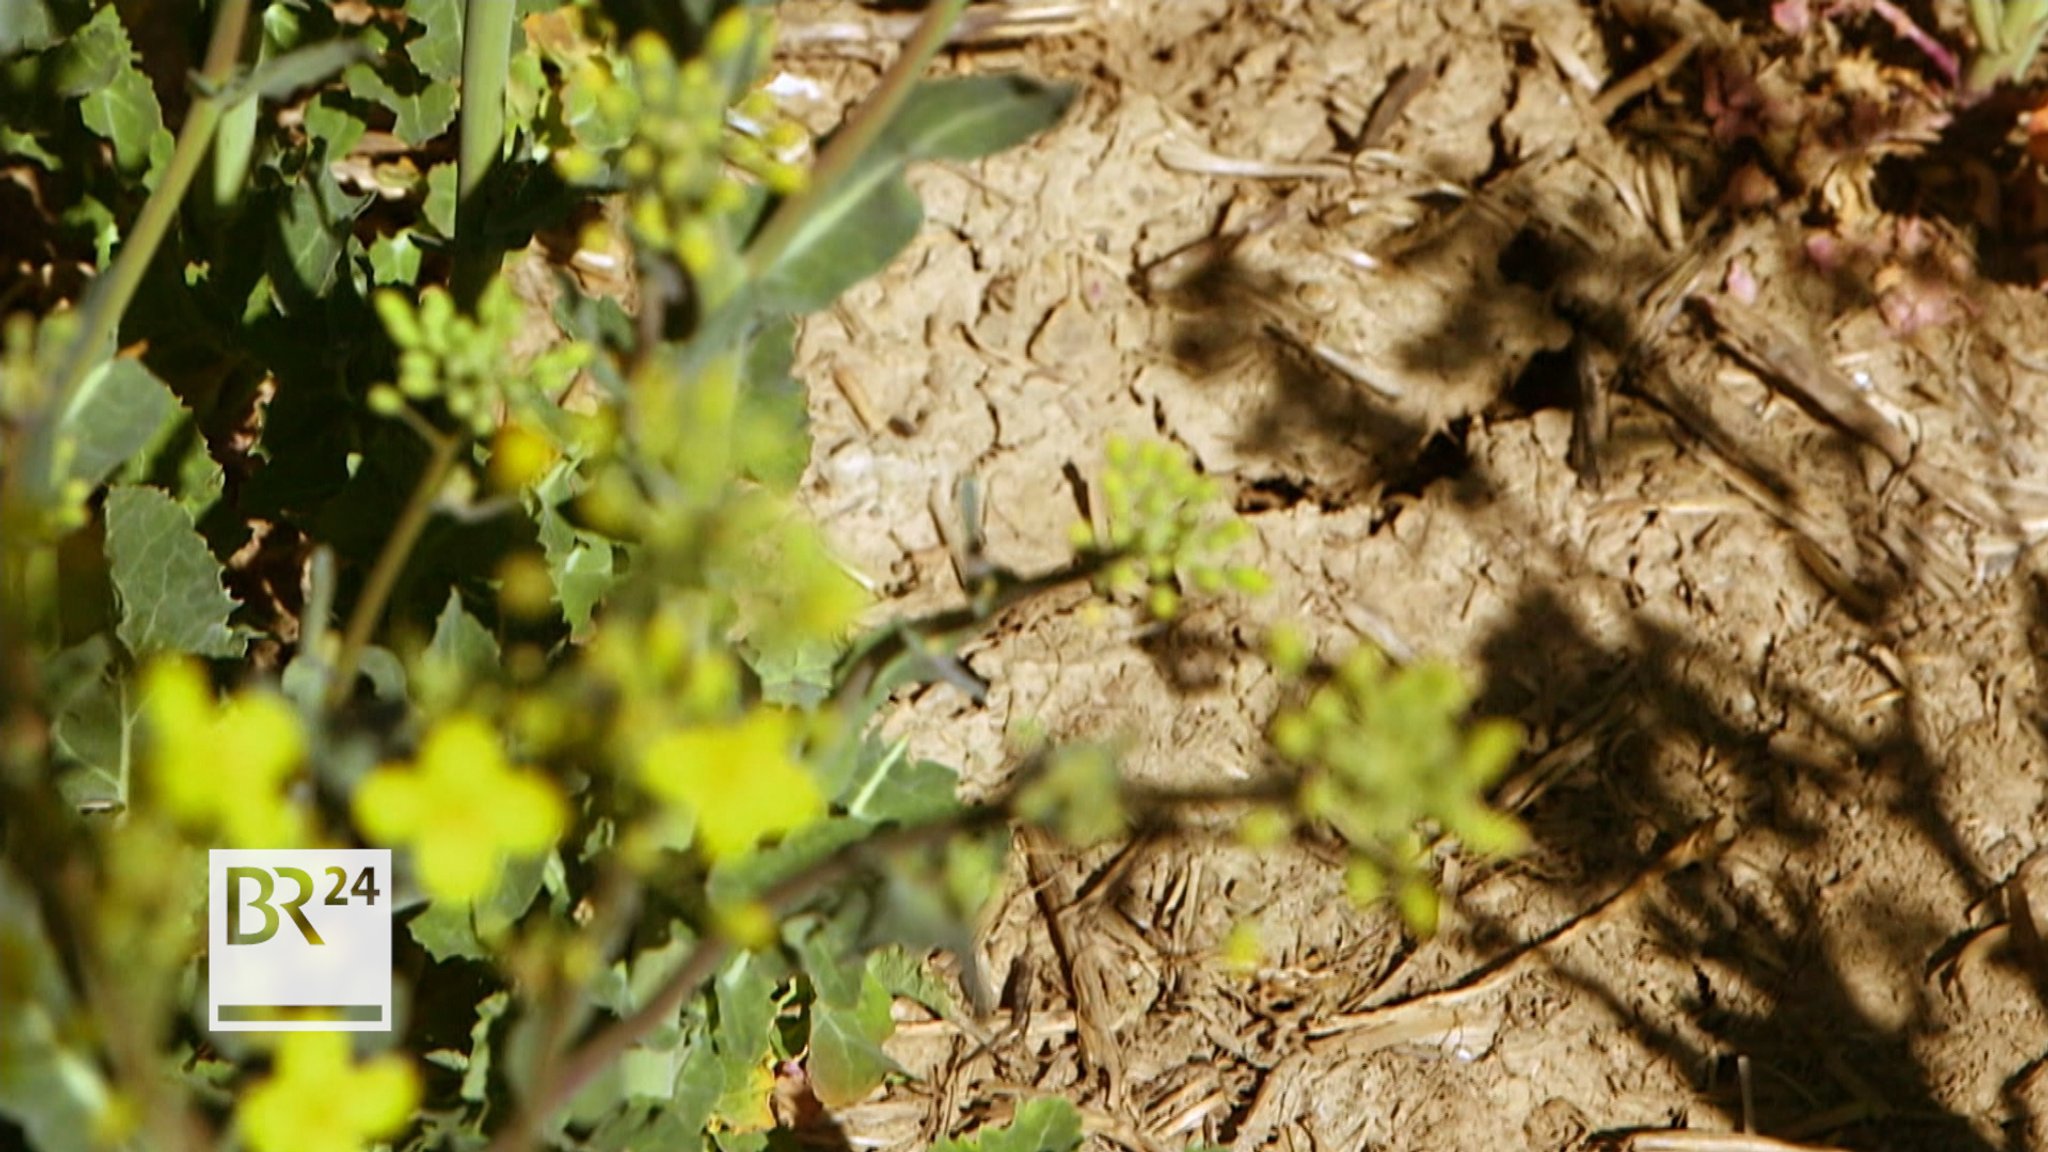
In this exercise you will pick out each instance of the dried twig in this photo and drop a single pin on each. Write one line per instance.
(1645, 78)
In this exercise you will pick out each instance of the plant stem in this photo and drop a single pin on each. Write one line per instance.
(863, 126)
(111, 294)
(369, 607)
(486, 58)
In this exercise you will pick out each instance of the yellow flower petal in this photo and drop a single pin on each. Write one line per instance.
(455, 868)
(741, 781)
(527, 814)
(386, 1092)
(388, 805)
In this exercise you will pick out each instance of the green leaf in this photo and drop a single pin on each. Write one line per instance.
(847, 1061)
(91, 57)
(775, 412)
(476, 1077)
(424, 108)
(461, 642)
(439, 209)
(315, 227)
(119, 412)
(1042, 1124)
(437, 52)
(580, 565)
(968, 117)
(911, 978)
(746, 1008)
(889, 786)
(95, 731)
(700, 1085)
(796, 672)
(125, 113)
(395, 259)
(626, 987)
(649, 1073)
(335, 123)
(449, 928)
(21, 144)
(93, 719)
(855, 230)
(168, 584)
(25, 26)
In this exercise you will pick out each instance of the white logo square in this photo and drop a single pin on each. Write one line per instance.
(293, 930)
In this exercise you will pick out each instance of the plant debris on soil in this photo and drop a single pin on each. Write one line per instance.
(1673, 367)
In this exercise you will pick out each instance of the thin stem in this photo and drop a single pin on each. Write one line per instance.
(369, 608)
(864, 125)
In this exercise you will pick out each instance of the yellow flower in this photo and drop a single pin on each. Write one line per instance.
(318, 1100)
(223, 766)
(462, 809)
(739, 780)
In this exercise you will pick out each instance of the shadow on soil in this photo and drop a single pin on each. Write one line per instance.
(1821, 1066)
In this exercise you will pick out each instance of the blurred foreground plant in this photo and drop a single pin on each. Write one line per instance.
(2009, 34)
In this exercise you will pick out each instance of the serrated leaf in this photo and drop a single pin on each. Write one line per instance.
(449, 928)
(746, 1008)
(1042, 1124)
(439, 209)
(796, 673)
(847, 1061)
(424, 107)
(912, 979)
(580, 566)
(17, 143)
(626, 986)
(25, 26)
(119, 412)
(476, 1076)
(90, 57)
(395, 259)
(334, 124)
(968, 117)
(461, 641)
(744, 1106)
(437, 51)
(314, 228)
(124, 112)
(745, 996)
(167, 583)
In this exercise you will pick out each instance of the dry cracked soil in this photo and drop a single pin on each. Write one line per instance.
(1670, 367)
